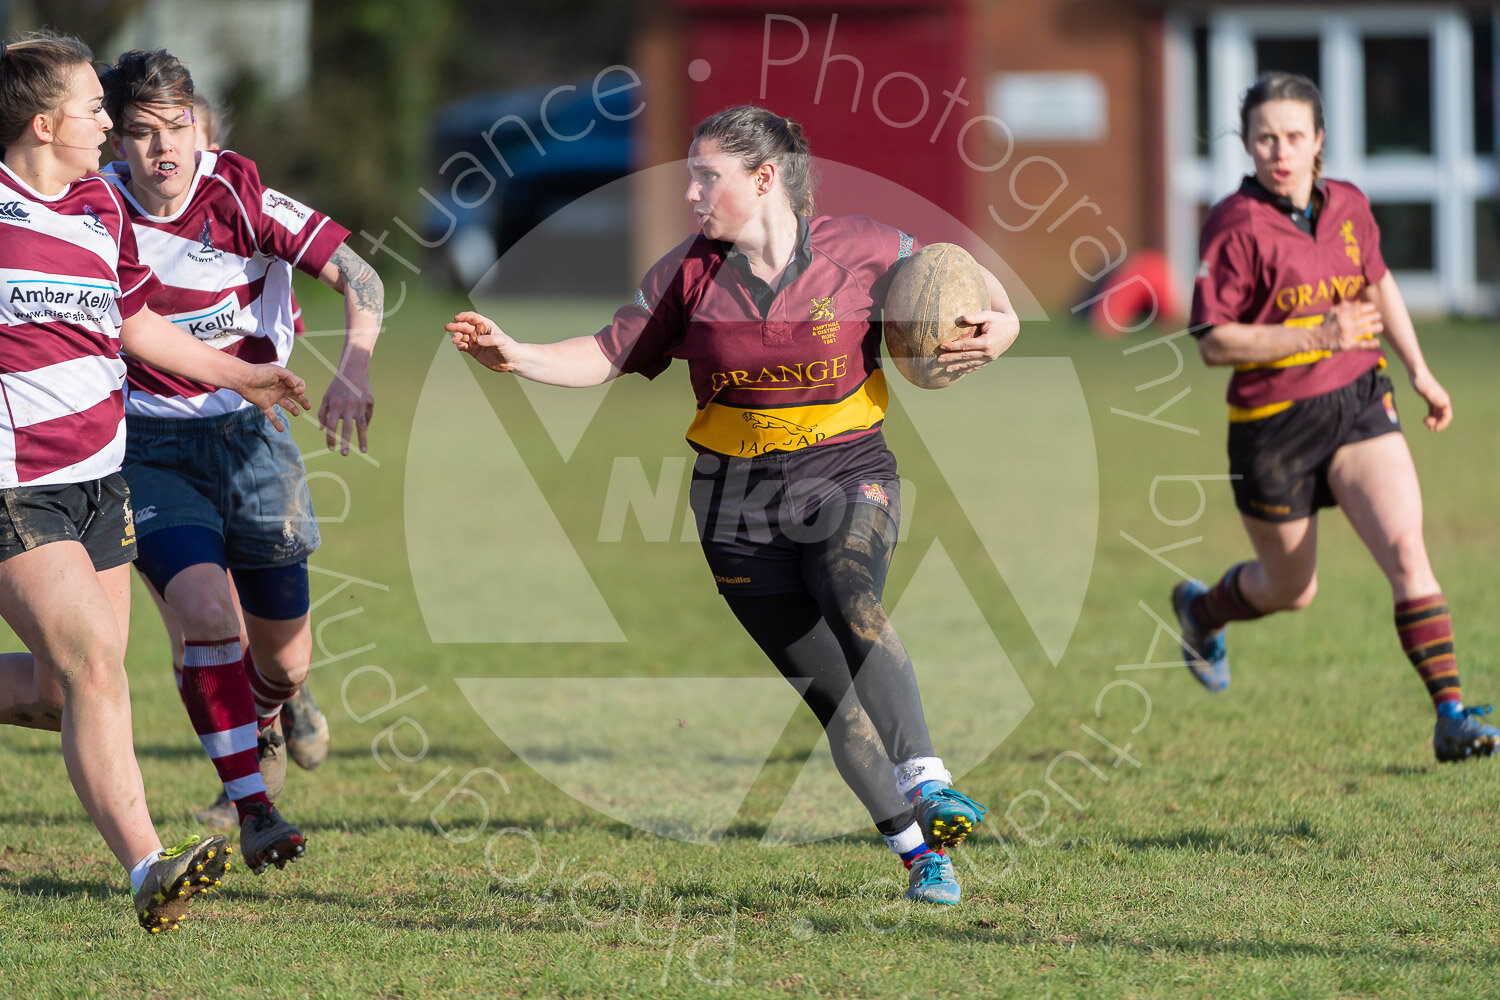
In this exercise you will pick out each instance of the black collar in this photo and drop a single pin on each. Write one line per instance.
(1305, 219)
(760, 291)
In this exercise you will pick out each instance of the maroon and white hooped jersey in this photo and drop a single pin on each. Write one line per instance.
(68, 277)
(217, 260)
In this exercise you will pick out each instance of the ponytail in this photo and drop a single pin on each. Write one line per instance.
(755, 136)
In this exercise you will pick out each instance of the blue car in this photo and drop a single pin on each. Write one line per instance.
(509, 161)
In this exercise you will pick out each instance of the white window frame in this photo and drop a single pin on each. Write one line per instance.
(1452, 178)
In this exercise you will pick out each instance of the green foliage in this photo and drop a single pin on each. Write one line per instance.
(355, 145)
(94, 21)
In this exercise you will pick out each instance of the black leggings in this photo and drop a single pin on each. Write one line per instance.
(833, 642)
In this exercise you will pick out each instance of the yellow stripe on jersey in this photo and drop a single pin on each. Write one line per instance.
(1242, 415)
(1291, 360)
(745, 431)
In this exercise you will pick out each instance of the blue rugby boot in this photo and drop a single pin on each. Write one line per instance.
(1203, 650)
(932, 880)
(945, 815)
(1460, 735)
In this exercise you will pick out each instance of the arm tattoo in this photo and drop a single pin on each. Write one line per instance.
(360, 280)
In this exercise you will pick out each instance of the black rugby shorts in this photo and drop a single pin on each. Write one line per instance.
(1280, 463)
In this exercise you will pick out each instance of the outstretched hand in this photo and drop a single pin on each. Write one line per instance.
(268, 386)
(993, 334)
(482, 340)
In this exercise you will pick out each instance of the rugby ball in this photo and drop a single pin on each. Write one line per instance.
(930, 290)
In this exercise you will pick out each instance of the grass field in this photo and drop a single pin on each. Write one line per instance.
(1291, 837)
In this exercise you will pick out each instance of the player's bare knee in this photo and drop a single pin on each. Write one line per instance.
(1409, 568)
(288, 665)
(96, 673)
(206, 615)
(293, 672)
(1298, 600)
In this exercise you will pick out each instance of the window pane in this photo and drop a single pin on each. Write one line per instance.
(1487, 241)
(1398, 95)
(1484, 85)
(1405, 234)
(1200, 89)
(1289, 55)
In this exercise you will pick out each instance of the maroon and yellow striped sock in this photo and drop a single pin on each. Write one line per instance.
(1426, 632)
(1224, 602)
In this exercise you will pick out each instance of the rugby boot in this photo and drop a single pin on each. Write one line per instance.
(931, 880)
(266, 839)
(1203, 650)
(306, 730)
(270, 750)
(1460, 735)
(946, 815)
(182, 872)
(221, 814)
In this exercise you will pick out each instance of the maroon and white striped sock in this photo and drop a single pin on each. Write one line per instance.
(269, 695)
(222, 711)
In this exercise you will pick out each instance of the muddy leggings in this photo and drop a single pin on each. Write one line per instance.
(833, 642)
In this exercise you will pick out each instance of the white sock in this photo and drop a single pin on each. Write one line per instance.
(906, 841)
(138, 873)
(911, 773)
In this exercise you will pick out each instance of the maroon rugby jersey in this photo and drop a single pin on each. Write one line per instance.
(222, 259)
(1257, 267)
(68, 277)
(804, 372)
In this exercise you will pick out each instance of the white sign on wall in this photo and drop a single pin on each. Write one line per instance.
(1050, 107)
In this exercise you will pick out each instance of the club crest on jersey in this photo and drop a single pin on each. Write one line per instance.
(95, 223)
(1351, 244)
(290, 212)
(206, 253)
(825, 321)
(14, 211)
(875, 493)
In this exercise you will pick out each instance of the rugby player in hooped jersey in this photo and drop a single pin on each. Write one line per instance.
(1292, 291)
(305, 726)
(222, 491)
(72, 293)
(211, 131)
(734, 300)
